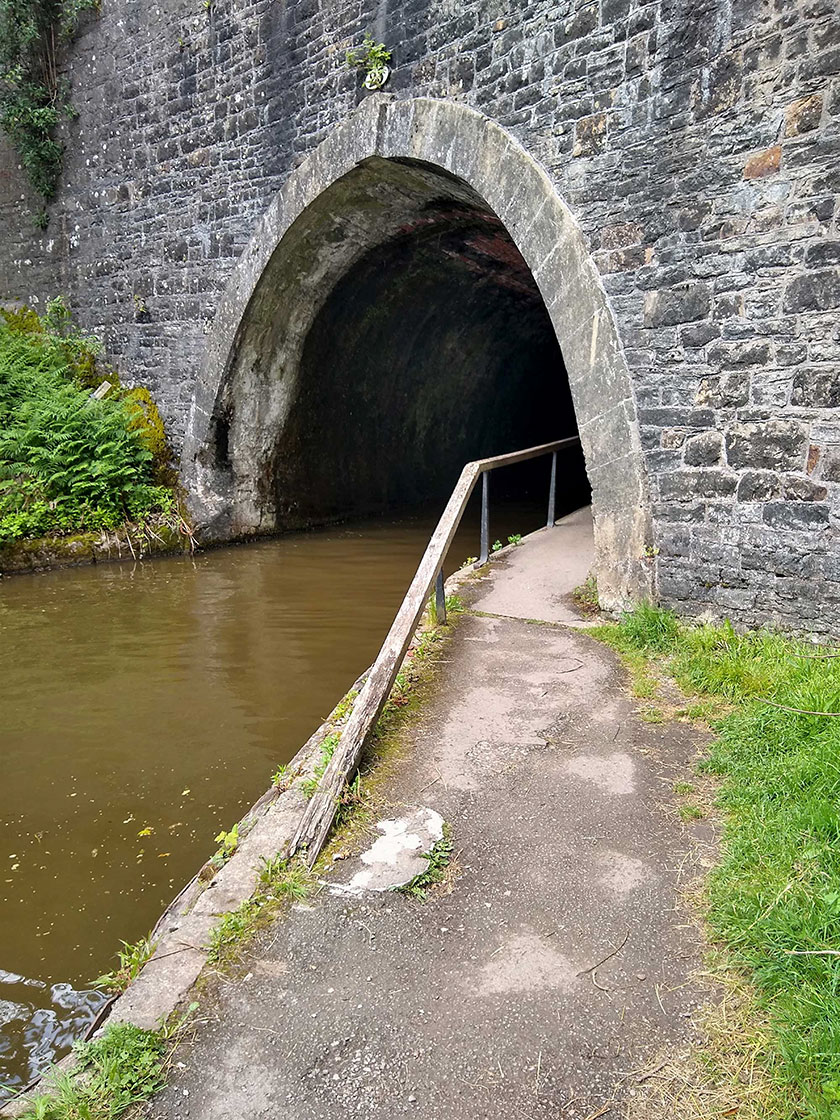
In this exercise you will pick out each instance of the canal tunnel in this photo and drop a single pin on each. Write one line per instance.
(395, 334)
(433, 349)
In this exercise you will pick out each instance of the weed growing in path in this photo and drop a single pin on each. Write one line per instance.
(774, 899)
(585, 596)
(438, 859)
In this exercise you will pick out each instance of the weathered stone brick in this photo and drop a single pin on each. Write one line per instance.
(733, 354)
(590, 135)
(769, 445)
(816, 291)
(704, 450)
(803, 490)
(685, 485)
(730, 390)
(831, 465)
(759, 486)
(803, 115)
(621, 236)
(816, 387)
(685, 304)
(823, 253)
(765, 163)
(694, 337)
(796, 516)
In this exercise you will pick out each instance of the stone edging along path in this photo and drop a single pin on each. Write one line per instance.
(183, 930)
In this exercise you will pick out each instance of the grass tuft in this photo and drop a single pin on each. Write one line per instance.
(585, 596)
(131, 958)
(121, 1069)
(281, 882)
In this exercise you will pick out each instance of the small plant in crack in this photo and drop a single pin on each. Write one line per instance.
(373, 58)
(438, 859)
(228, 843)
(131, 958)
(327, 751)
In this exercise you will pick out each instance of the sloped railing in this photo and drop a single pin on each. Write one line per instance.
(315, 824)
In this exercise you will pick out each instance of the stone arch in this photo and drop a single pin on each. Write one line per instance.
(321, 221)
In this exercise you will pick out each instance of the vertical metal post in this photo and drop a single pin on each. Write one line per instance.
(552, 491)
(440, 600)
(485, 518)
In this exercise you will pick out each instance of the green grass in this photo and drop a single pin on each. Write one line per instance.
(281, 881)
(115, 1072)
(327, 750)
(131, 958)
(774, 898)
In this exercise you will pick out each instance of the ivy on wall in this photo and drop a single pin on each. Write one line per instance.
(32, 95)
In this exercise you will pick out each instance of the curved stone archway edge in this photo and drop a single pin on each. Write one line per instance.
(490, 163)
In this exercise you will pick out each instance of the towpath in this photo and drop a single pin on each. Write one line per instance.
(484, 1000)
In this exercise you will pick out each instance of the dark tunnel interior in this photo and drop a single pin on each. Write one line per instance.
(435, 348)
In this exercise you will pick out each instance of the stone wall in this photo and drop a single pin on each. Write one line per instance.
(697, 143)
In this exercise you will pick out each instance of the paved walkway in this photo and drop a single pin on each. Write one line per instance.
(483, 1002)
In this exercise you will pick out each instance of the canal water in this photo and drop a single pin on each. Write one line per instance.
(144, 709)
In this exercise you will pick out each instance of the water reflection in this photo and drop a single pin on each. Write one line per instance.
(37, 1022)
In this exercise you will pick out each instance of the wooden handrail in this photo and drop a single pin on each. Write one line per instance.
(317, 820)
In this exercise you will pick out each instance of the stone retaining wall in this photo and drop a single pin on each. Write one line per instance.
(697, 144)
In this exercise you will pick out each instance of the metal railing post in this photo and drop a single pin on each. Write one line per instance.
(552, 491)
(484, 551)
(440, 600)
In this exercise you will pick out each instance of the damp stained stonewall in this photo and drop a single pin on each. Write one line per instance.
(181, 685)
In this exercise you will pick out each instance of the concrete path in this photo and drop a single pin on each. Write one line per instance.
(485, 1001)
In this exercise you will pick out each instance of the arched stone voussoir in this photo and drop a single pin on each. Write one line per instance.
(467, 156)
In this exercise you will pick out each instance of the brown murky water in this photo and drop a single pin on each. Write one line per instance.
(144, 708)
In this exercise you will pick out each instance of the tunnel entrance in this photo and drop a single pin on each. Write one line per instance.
(416, 295)
(435, 348)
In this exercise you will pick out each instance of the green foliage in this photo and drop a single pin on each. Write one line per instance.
(515, 538)
(68, 462)
(233, 928)
(585, 596)
(228, 843)
(496, 546)
(121, 1069)
(373, 58)
(438, 860)
(32, 98)
(774, 899)
(285, 879)
(147, 422)
(131, 958)
(281, 881)
(278, 778)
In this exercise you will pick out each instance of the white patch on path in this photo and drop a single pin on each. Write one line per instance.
(397, 856)
(612, 773)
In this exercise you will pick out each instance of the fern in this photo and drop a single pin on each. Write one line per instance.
(67, 460)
